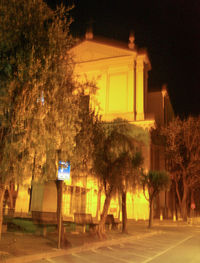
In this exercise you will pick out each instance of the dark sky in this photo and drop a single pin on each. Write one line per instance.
(169, 29)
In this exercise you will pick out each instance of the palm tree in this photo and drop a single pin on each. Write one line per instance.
(154, 182)
(114, 162)
(129, 164)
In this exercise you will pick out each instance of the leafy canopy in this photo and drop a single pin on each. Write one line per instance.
(117, 152)
(39, 99)
(183, 150)
(154, 182)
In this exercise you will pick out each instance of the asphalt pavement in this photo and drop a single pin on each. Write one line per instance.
(166, 246)
(166, 242)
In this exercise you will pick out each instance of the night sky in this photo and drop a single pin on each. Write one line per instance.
(168, 29)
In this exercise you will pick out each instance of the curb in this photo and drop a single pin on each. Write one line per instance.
(85, 247)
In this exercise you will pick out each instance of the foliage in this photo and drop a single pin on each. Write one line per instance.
(183, 156)
(82, 159)
(154, 182)
(116, 158)
(183, 149)
(114, 143)
(21, 225)
(128, 165)
(42, 119)
(39, 99)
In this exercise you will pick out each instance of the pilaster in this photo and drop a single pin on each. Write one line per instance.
(139, 88)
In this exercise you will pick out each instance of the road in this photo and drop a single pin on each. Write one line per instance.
(172, 245)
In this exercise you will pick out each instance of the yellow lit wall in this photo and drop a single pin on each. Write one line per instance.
(137, 206)
(22, 201)
(140, 88)
(120, 76)
(117, 95)
(23, 197)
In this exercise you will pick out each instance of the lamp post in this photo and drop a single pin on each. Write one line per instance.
(63, 173)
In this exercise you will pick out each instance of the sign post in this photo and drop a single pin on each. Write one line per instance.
(63, 170)
(59, 210)
(63, 174)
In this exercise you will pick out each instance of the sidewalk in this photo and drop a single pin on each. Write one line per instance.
(22, 247)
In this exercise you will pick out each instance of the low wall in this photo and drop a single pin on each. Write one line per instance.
(193, 220)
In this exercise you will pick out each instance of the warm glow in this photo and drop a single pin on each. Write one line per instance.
(117, 97)
(120, 76)
(22, 201)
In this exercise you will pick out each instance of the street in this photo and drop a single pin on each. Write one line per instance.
(171, 245)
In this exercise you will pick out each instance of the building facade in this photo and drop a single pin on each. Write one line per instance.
(120, 72)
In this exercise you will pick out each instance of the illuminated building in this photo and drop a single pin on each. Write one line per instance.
(121, 74)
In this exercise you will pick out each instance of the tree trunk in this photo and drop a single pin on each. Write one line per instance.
(184, 210)
(183, 205)
(182, 201)
(2, 191)
(124, 213)
(98, 204)
(101, 227)
(150, 212)
(59, 185)
(33, 177)
(10, 211)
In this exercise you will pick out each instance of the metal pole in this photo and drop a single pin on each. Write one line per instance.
(59, 210)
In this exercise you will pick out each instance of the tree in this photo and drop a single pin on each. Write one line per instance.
(82, 159)
(103, 169)
(154, 182)
(183, 157)
(115, 146)
(128, 164)
(39, 99)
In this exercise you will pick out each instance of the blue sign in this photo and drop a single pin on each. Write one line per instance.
(63, 170)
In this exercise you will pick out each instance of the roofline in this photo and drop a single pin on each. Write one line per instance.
(117, 44)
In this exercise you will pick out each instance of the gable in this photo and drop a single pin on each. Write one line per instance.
(119, 73)
(94, 51)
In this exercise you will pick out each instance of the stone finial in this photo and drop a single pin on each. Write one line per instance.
(131, 43)
(89, 34)
(164, 95)
(164, 90)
